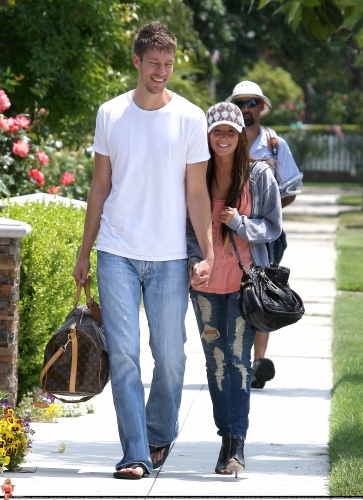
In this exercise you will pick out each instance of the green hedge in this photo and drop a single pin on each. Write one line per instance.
(47, 287)
(322, 129)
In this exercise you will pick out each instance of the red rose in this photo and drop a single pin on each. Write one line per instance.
(4, 124)
(21, 148)
(22, 121)
(4, 101)
(67, 178)
(54, 190)
(37, 175)
(42, 157)
(13, 125)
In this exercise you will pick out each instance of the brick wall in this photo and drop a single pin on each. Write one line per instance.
(9, 315)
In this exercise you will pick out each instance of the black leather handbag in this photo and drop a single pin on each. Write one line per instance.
(76, 358)
(266, 300)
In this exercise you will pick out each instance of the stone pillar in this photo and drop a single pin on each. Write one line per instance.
(11, 232)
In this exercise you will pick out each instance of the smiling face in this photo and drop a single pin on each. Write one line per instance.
(223, 140)
(155, 69)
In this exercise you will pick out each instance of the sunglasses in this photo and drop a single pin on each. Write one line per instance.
(252, 103)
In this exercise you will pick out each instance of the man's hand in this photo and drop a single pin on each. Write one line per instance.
(81, 270)
(200, 275)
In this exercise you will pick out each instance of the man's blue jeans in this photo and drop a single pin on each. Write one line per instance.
(165, 292)
(227, 342)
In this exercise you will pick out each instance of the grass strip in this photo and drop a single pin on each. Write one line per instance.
(346, 415)
(352, 199)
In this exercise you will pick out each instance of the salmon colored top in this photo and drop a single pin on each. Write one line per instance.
(226, 274)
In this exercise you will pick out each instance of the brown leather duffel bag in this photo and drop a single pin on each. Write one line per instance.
(75, 358)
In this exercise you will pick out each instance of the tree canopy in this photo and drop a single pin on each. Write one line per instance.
(322, 18)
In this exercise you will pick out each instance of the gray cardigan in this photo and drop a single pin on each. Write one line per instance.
(263, 226)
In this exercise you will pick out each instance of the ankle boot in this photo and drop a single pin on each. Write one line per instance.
(236, 459)
(223, 455)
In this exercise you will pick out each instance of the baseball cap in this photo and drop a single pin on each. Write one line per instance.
(247, 88)
(225, 113)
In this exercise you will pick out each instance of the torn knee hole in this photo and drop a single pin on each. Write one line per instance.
(210, 334)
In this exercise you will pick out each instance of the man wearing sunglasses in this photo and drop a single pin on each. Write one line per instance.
(248, 96)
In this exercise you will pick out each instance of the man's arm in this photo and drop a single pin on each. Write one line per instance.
(99, 191)
(199, 209)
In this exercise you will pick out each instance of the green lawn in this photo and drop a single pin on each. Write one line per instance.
(346, 418)
(351, 199)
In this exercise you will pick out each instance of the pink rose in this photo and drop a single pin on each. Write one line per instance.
(4, 101)
(22, 121)
(37, 175)
(291, 105)
(42, 157)
(67, 178)
(54, 190)
(13, 125)
(4, 124)
(21, 148)
(42, 111)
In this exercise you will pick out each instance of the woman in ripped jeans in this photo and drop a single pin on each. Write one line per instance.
(234, 180)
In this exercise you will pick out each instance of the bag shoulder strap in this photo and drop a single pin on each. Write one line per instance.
(273, 142)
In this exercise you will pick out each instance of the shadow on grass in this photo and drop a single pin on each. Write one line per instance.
(352, 378)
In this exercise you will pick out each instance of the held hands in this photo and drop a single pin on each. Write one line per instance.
(200, 275)
(226, 214)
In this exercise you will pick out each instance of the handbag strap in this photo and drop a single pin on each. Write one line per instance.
(237, 252)
(234, 241)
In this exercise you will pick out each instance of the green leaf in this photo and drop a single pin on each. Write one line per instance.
(284, 7)
(263, 3)
(348, 3)
(359, 38)
(297, 18)
(293, 11)
(3, 189)
(351, 20)
(311, 3)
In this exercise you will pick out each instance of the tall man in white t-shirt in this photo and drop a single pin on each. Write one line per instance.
(151, 157)
(248, 96)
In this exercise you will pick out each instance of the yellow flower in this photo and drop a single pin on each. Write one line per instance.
(15, 428)
(7, 460)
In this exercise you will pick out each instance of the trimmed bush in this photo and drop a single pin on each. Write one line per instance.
(47, 287)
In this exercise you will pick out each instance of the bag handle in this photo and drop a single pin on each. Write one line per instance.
(92, 305)
(86, 287)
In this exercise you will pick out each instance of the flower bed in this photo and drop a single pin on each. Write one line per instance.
(15, 437)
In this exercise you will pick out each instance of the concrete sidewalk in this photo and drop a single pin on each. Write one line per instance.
(286, 447)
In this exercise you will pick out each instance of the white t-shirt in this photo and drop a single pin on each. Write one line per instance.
(144, 216)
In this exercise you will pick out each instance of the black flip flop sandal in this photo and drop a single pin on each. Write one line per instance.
(129, 475)
(155, 449)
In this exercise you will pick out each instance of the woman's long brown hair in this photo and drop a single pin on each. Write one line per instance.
(240, 174)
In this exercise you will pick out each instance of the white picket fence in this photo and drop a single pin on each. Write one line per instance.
(333, 153)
